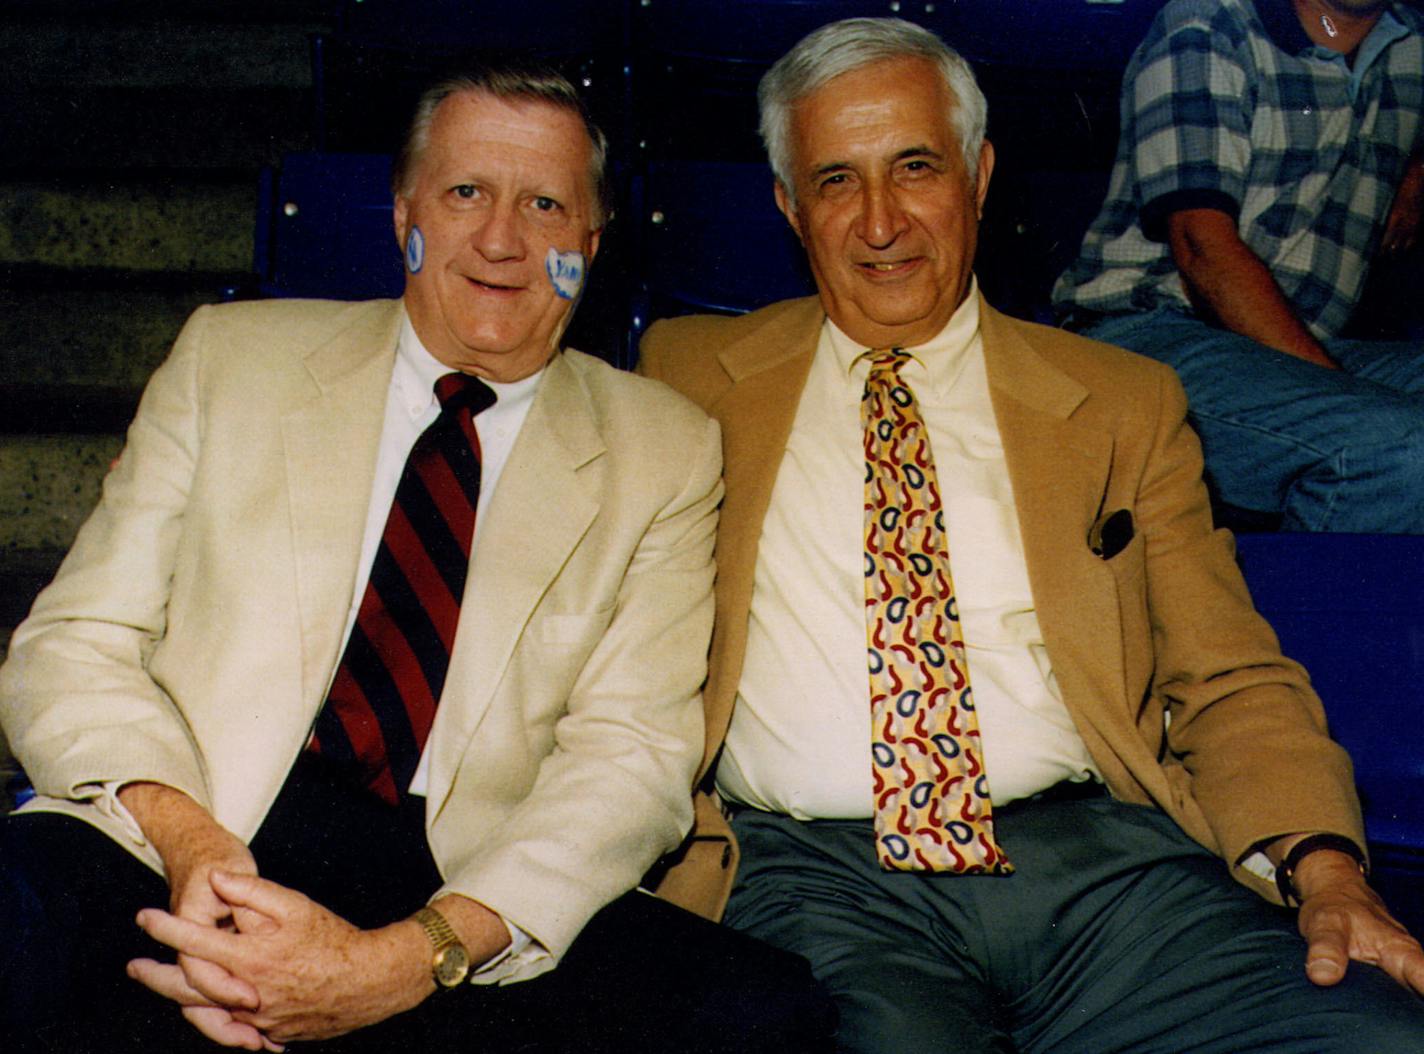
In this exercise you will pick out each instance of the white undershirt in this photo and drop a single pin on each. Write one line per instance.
(799, 741)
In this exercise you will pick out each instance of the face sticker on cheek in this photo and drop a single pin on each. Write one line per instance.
(566, 271)
(415, 251)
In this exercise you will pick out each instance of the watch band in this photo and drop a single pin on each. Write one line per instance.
(451, 963)
(1285, 870)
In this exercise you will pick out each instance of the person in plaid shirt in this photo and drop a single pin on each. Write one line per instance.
(1269, 151)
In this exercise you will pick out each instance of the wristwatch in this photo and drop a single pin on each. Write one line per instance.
(451, 963)
(1285, 870)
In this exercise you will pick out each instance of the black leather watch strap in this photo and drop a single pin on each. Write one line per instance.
(1285, 870)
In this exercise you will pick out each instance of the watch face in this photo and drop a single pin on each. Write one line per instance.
(451, 965)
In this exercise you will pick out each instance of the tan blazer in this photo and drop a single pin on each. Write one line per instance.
(194, 628)
(1175, 683)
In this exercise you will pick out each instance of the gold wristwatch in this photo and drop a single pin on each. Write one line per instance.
(451, 964)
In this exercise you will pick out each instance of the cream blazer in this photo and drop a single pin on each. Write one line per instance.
(190, 635)
(1174, 682)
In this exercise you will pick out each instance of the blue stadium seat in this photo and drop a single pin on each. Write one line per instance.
(1351, 609)
(324, 228)
(713, 240)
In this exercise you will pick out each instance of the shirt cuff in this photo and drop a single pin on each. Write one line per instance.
(513, 963)
(105, 797)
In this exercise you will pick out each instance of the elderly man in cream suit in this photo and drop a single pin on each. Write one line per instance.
(164, 688)
(1037, 854)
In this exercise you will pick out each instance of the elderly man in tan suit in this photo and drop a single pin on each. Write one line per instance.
(231, 685)
(1005, 722)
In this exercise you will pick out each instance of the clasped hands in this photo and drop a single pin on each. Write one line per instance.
(259, 965)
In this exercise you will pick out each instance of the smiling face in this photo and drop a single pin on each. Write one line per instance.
(884, 205)
(499, 184)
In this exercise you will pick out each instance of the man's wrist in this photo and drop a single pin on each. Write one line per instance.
(1316, 861)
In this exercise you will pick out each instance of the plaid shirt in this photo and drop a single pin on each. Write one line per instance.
(1228, 105)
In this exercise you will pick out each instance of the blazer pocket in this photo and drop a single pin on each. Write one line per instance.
(572, 629)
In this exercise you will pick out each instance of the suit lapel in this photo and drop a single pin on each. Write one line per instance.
(331, 442)
(547, 497)
(767, 370)
(1058, 465)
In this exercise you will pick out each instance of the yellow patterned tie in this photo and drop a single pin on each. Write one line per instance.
(932, 805)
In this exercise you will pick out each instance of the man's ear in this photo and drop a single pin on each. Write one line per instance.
(986, 170)
(401, 216)
(783, 202)
(594, 237)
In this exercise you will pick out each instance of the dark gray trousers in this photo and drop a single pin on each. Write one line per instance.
(1116, 933)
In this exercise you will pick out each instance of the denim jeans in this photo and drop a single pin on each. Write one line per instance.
(1326, 450)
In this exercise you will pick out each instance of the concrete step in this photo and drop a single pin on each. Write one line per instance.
(68, 131)
(73, 335)
(162, 54)
(48, 486)
(158, 224)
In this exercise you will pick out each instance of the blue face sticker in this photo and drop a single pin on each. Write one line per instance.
(415, 251)
(566, 271)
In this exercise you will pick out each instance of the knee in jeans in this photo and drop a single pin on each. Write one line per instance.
(1397, 460)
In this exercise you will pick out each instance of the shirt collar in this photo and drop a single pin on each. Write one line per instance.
(937, 363)
(416, 371)
(1279, 19)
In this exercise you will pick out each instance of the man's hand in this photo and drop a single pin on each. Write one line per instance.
(314, 974)
(193, 846)
(1342, 918)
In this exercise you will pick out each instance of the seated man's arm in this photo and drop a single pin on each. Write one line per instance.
(1401, 228)
(1227, 282)
(1244, 722)
(1189, 101)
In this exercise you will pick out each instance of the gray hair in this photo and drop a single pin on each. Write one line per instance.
(848, 45)
(530, 82)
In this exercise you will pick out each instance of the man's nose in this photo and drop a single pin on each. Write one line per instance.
(499, 235)
(882, 219)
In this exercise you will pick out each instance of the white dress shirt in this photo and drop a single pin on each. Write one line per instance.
(799, 741)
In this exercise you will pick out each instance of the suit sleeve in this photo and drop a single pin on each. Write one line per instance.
(1243, 720)
(76, 699)
(614, 793)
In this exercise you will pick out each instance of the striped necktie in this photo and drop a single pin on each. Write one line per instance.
(382, 702)
(933, 811)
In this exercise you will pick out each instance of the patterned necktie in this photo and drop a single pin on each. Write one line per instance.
(383, 698)
(932, 805)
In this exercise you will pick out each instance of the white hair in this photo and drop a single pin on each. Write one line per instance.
(848, 45)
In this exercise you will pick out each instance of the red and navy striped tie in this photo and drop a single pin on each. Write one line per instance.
(382, 701)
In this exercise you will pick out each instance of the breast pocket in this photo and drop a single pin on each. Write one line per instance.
(572, 629)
